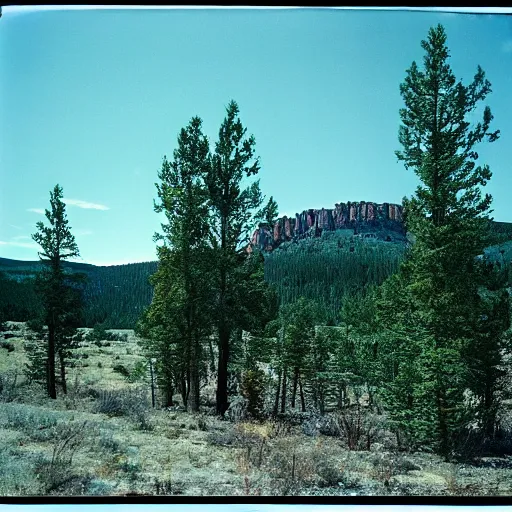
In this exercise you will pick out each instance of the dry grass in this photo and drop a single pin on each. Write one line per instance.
(190, 454)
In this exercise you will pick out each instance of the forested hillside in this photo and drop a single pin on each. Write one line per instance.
(324, 269)
(114, 296)
(329, 268)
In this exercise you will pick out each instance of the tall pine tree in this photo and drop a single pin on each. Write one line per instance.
(448, 217)
(233, 214)
(184, 257)
(58, 244)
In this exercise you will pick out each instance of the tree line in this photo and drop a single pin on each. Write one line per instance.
(114, 296)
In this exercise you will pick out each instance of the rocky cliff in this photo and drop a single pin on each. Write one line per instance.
(362, 217)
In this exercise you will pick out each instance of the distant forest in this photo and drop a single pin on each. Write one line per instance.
(325, 269)
(114, 296)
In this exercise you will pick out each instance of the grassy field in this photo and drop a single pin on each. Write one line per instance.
(104, 438)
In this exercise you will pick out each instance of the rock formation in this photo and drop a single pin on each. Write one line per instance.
(359, 216)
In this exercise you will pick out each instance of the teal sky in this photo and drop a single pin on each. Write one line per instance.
(92, 100)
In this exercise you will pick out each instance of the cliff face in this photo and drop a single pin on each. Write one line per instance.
(359, 216)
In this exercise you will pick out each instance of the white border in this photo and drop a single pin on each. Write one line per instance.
(35, 8)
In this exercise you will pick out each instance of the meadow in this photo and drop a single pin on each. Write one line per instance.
(105, 438)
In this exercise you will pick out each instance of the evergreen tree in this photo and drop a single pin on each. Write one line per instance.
(233, 214)
(269, 214)
(71, 318)
(448, 217)
(58, 244)
(161, 330)
(184, 255)
(491, 339)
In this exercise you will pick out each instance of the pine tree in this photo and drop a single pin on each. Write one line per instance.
(233, 215)
(58, 244)
(269, 214)
(184, 255)
(448, 217)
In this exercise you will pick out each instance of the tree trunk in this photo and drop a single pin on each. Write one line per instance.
(489, 413)
(169, 392)
(152, 375)
(184, 391)
(301, 391)
(222, 370)
(321, 399)
(50, 377)
(212, 355)
(294, 386)
(63, 372)
(194, 375)
(442, 423)
(278, 392)
(283, 393)
(341, 395)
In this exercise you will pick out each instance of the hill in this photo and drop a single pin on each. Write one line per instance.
(114, 296)
(326, 255)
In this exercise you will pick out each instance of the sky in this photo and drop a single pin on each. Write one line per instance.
(94, 99)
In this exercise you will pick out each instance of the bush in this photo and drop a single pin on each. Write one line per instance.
(139, 372)
(222, 438)
(130, 464)
(132, 403)
(358, 426)
(36, 325)
(291, 468)
(253, 387)
(108, 443)
(166, 488)
(8, 386)
(120, 368)
(237, 410)
(56, 477)
(100, 488)
(99, 334)
(38, 424)
(17, 476)
(329, 475)
(202, 424)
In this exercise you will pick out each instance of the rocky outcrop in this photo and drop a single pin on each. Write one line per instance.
(359, 216)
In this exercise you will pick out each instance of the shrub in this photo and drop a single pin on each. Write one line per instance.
(54, 472)
(202, 424)
(329, 475)
(36, 325)
(108, 443)
(290, 468)
(222, 438)
(17, 475)
(237, 410)
(138, 372)
(358, 426)
(100, 488)
(166, 488)
(130, 464)
(120, 368)
(132, 403)
(38, 424)
(7, 345)
(252, 388)
(8, 386)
